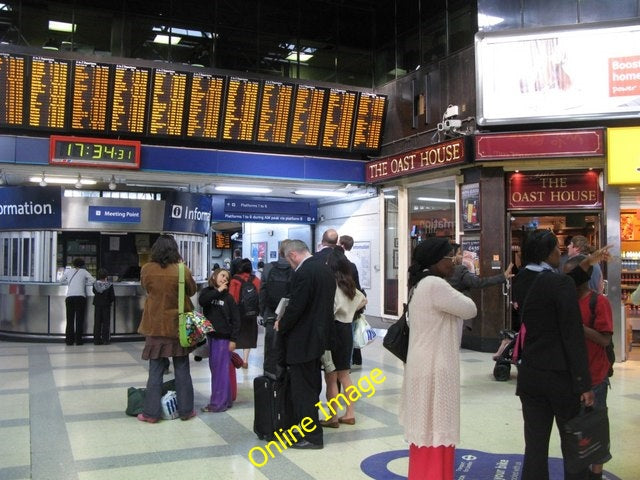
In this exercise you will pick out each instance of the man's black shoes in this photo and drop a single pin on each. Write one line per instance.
(307, 445)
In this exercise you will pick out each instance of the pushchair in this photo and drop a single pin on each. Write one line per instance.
(504, 355)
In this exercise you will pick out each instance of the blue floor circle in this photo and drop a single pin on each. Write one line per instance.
(469, 465)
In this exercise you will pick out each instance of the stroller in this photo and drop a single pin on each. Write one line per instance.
(504, 355)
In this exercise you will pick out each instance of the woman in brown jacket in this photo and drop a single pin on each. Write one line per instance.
(159, 325)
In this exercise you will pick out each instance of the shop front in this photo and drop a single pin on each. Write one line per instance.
(42, 231)
(623, 176)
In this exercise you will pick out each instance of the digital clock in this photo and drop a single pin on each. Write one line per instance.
(97, 152)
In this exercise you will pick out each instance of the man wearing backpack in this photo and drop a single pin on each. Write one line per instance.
(276, 283)
(598, 330)
(245, 290)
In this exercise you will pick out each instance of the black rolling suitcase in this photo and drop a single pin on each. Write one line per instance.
(274, 363)
(272, 406)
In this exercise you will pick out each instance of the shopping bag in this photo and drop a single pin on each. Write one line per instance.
(586, 439)
(363, 334)
(396, 339)
(169, 404)
(193, 328)
(135, 397)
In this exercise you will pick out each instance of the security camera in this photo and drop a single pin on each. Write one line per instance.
(441, 127)
(448, 124)
(451, 111)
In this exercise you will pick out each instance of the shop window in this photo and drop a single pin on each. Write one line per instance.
(432, 211)
(391, 252)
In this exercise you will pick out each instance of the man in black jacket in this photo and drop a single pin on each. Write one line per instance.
(307, 330)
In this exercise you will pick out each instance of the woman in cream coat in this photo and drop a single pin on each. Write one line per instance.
(430, 399)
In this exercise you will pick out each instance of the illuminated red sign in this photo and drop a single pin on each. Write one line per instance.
(428, 158)
(554, 190)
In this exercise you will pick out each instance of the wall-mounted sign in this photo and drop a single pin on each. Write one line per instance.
(97, 152)
(569, 74)
(246, 209)
(570, 189)
(623, 156)
(110, 214)
(470, 212)
(516, 145)
(187, 212)
(23, 208)
(432, 157)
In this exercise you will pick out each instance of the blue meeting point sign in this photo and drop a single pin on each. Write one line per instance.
(469, 465)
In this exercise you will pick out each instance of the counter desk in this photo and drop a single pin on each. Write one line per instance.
(36, 311)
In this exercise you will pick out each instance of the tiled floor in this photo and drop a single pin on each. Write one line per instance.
(62, 417)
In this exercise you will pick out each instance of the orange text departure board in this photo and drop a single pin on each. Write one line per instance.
(130, 90)
(307, 116)
(338, 119)
(48, 92)
(89, 96)
(167, 102)
(204, 106)
(275, 109)
(12, 89)
(240, 109)
(65, 92)
(367, 134)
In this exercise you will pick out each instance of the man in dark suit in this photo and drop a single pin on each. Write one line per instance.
(307, 329)
(329, 241)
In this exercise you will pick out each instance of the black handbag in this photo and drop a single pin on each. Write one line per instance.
(397, 338)
(586, 439)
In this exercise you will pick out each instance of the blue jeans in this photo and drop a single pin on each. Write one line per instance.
(184, 387)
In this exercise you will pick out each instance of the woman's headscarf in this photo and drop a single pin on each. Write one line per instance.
(427, 253)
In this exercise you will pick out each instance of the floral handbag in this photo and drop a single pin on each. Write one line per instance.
(192, 326)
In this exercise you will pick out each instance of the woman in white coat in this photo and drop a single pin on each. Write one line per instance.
(430, 399)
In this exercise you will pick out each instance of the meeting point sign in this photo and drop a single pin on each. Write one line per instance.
(415, 161)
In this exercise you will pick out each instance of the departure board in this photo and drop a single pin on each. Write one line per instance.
(167, 102)
(131, 86)
(307, 115)
(90, 94)
(367, 134)
(12, 89)
(275, 109)
(338, 119)
(205, 105)
(48, 92)
(240, 109)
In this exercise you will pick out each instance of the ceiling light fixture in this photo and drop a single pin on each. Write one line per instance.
(62, 26)
(434, 199)
(319, 193)
(237, 189)
(112, 184)
(44, 180)
(166, 39)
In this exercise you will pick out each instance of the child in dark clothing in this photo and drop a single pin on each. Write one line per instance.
(104, 296)
(221, 309)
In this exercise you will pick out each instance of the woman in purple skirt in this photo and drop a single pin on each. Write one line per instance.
(222, 311)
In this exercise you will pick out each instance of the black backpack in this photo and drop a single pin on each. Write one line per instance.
(611, 354)
(277, 284)
(249, 298)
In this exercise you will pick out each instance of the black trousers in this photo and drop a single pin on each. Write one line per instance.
(306, 385)
(76, 310)
(101, 324)
(545, 395)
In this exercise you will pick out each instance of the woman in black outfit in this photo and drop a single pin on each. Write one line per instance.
(553, 376)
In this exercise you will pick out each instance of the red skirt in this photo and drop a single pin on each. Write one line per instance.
(431, 463)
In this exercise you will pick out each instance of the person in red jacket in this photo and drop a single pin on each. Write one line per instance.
(598, 330)
(248, 337)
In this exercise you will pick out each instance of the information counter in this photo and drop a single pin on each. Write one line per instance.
(36, 311)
